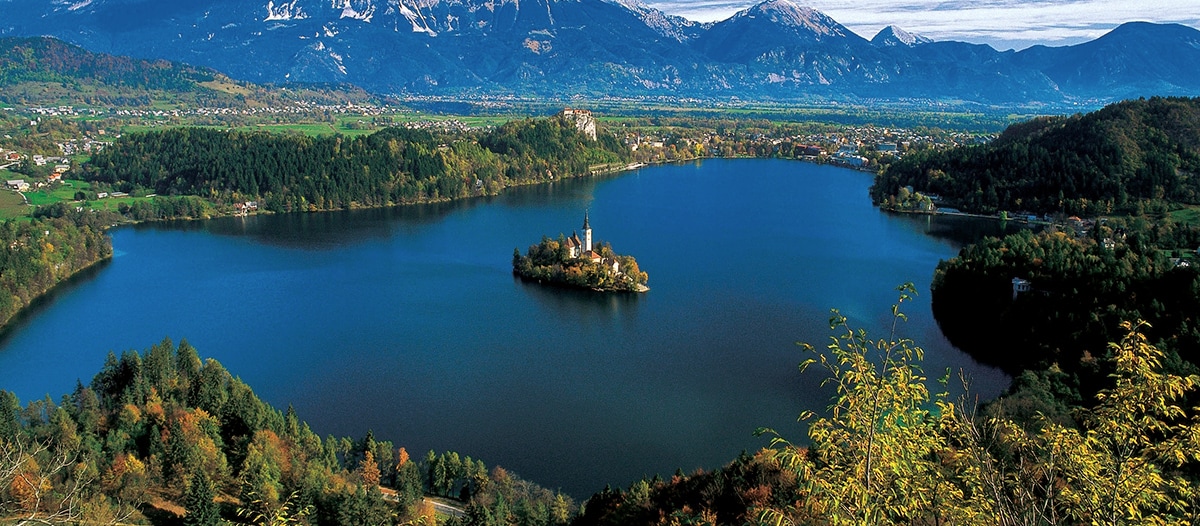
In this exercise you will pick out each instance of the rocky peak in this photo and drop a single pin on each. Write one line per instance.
(892, 36)
(790, 14)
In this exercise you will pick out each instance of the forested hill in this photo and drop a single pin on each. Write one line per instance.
(163, 435)
(392, 166)
(47, 71)
(48, 59)
(1125, 157)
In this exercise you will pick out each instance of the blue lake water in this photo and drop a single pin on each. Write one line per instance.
(408, 321)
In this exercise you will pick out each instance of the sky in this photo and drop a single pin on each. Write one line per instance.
(1005, 24)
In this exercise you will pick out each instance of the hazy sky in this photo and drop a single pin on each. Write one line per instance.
(1002, 23)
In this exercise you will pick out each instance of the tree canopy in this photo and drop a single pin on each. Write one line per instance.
(1126, 157)
(390, 167)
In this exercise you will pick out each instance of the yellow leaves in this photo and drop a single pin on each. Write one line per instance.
(27, 488)
(425, 514)
(130, 415)
(369, 470)
(883, 455)
(401, 458)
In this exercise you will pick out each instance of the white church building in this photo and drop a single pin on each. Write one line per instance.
(582, 248)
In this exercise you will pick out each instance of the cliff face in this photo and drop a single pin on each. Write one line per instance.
(583, 119)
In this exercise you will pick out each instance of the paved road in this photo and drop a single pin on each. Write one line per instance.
(447, 509)
(438, 506)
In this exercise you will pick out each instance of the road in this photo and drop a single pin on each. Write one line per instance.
(438, 506)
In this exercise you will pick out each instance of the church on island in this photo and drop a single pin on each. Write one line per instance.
(582, 248)
(579, 262)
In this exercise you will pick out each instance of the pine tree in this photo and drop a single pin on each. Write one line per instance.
(198, 500)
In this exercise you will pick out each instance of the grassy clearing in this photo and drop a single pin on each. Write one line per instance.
(226, 87)
(1187, 216)
(12, 205)
(62, 192)
(113, 203)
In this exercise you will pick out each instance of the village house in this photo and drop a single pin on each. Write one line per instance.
(17, 184)
(1020, 286)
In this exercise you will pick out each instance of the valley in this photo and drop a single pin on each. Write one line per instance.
(325, 196)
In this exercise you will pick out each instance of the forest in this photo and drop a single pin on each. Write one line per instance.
(1081, 289)
(42, 253)
(550, 261)
(1131, 157)
(390, 167)
(165, 437)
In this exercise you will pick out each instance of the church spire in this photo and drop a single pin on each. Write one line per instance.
(587, 233)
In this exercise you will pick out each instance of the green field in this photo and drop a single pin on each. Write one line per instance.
(12, 205)
(66, 192)
(62, 192)
(1187, 216)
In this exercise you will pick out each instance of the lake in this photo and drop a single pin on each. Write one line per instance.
(409, 322)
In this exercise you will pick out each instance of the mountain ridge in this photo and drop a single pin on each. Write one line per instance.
(776, 50)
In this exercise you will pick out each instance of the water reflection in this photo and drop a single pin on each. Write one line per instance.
(580, 304)
(324, 230)
(42, 303)
(959, 231)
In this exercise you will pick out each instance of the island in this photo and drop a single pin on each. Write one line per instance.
(575, 262)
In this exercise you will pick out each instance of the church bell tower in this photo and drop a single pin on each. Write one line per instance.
(587, 234)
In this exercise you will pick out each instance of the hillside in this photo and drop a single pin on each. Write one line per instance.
(164, 437)
(389, 167)
(1128, 157)
(43, 71)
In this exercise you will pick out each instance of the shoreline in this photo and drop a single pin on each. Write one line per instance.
(562, 284)
(6, 326)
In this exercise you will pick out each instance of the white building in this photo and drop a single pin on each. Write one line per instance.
(582, 248)
(1020, 285)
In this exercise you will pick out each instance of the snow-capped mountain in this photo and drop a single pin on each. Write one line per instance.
(777, 49)
(892, 36)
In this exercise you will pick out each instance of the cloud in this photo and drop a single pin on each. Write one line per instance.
(1003, 23)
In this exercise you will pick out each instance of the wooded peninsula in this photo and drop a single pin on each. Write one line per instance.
(1045, 304)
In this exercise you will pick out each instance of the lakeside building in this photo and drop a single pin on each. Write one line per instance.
(1020, 286)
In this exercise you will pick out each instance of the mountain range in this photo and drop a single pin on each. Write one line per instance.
(776, 50)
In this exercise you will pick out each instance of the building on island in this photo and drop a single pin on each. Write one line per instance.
(582, 248)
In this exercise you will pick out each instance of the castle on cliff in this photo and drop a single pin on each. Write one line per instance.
(583, 119)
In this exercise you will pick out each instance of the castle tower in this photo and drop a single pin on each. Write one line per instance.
(587, 234)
